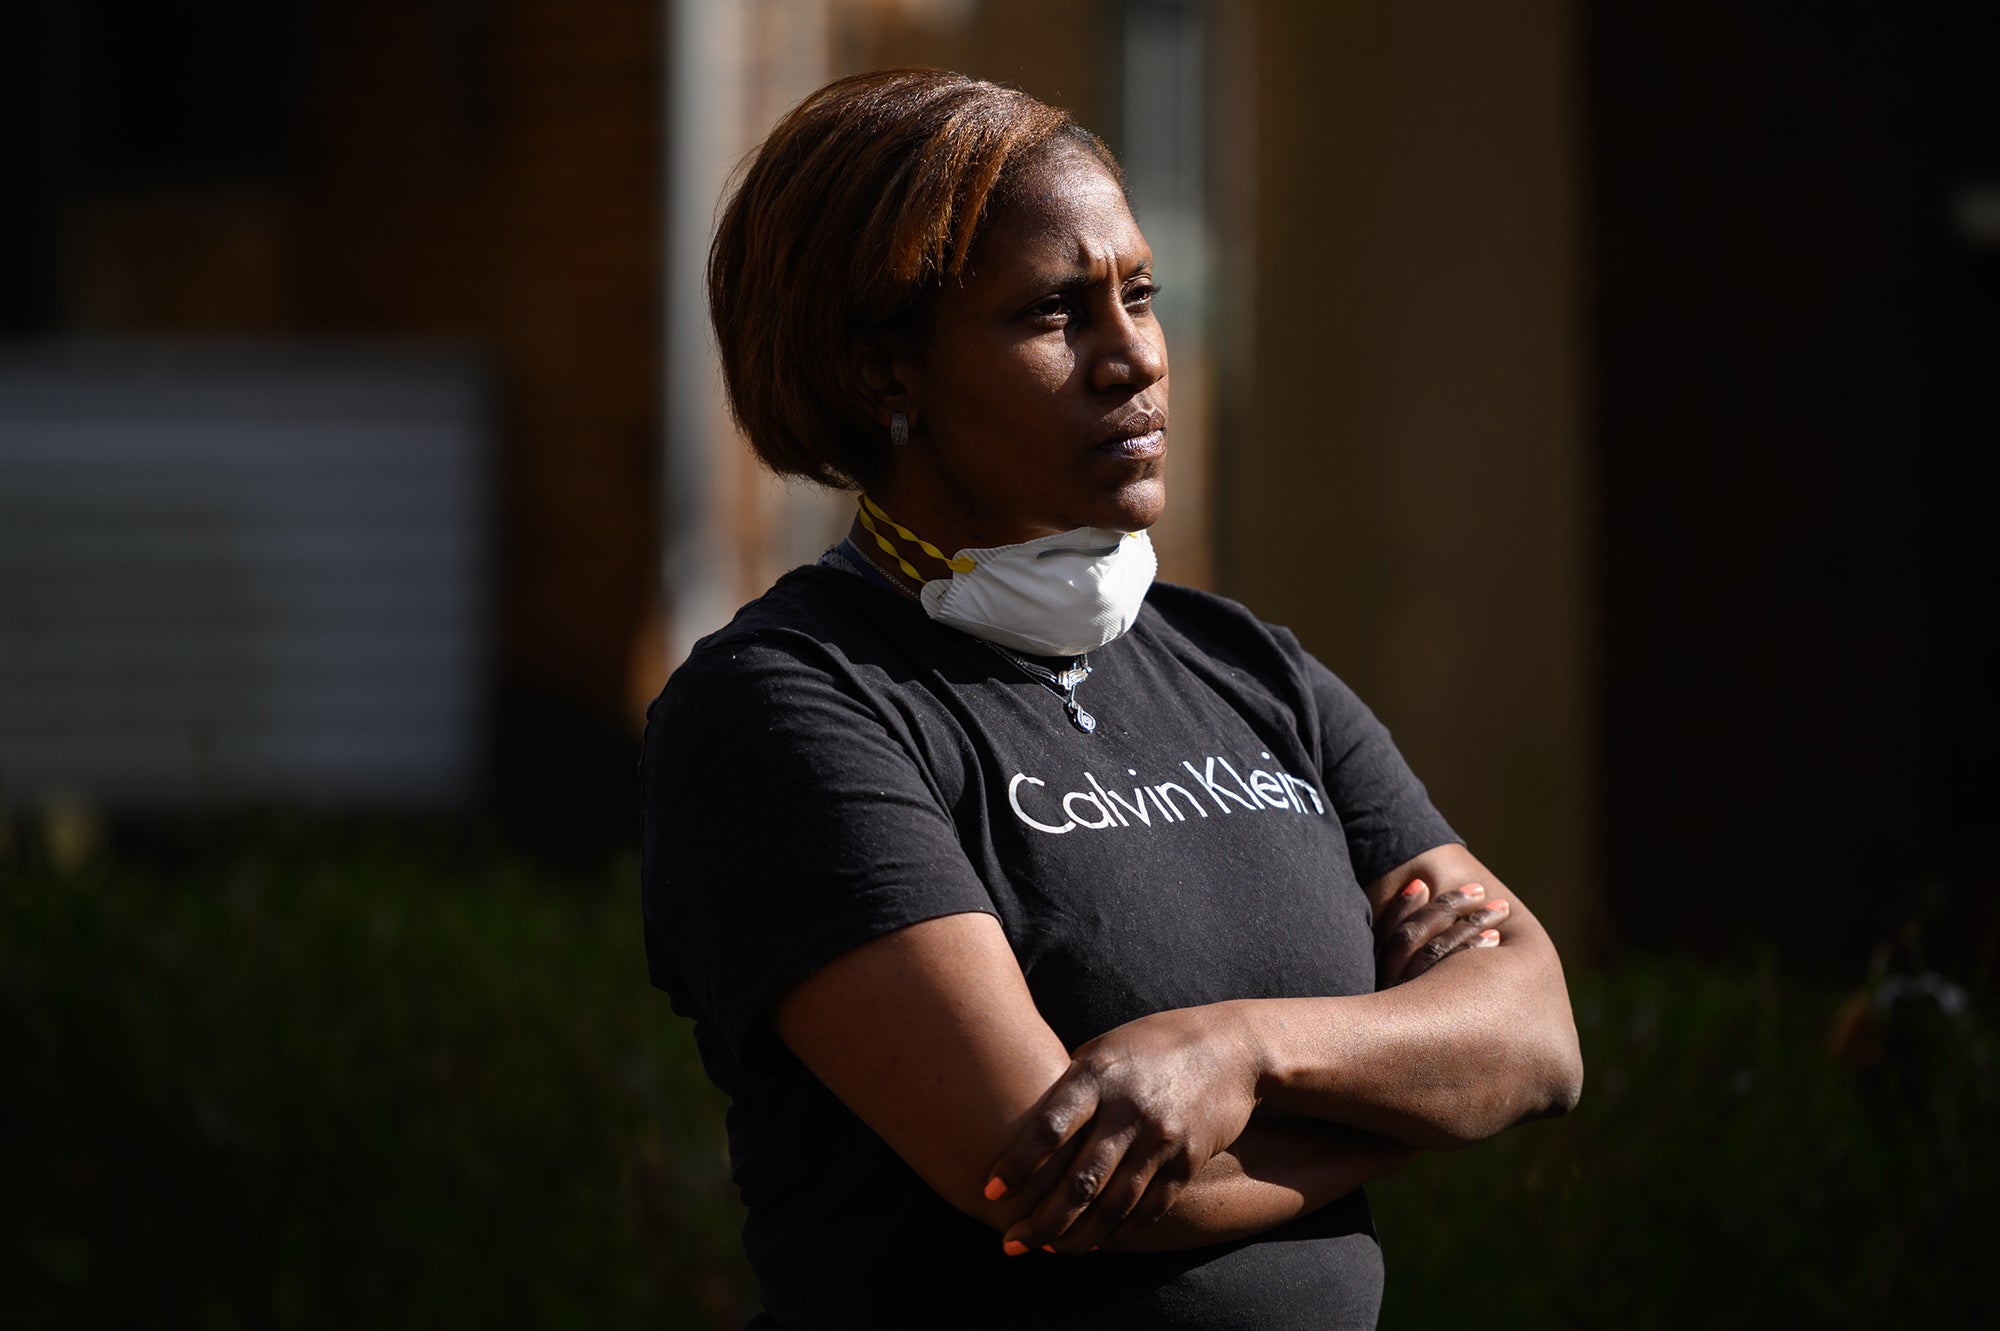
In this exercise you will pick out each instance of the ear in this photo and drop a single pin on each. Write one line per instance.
(881, 376)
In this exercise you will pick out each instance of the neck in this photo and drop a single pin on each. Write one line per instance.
(900, 544)
(950, 519)
(864, 541)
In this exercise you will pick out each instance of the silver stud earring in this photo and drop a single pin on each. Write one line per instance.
(899, 429)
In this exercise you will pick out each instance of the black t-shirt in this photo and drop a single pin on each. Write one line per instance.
(833, 765)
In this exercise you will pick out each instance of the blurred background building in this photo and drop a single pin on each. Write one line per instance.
(1594, 385)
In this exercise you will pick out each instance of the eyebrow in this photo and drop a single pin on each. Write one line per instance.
(1075, 279)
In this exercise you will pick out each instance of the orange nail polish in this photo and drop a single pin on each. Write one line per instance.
(996, 1188)
(1472, 891)
(1046, 1248)
(1013, 1247)
(1491, 934)
(1416, 886)
(1496, 905)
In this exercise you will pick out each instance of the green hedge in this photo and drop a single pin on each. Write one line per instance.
(366, 1093)
(372, 1088)
(1725, 1168)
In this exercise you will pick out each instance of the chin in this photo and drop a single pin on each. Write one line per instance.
(1138, 506)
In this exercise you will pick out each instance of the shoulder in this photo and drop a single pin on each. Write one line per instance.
(1189, 619)
(809, 604)
(823, 664)
(1231, 636)
(813, 622)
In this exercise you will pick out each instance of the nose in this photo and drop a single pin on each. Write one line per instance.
(1133, 356)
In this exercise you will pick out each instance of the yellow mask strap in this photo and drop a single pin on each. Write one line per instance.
(870, 510)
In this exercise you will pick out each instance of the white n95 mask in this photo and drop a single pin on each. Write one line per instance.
(1060, 595)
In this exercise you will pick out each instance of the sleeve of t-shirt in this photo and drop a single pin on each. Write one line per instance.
(1384, 809)
(786, 820)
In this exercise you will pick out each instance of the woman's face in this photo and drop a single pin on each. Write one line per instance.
(1037, 393)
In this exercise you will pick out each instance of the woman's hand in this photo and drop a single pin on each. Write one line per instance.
(1444, 1058)
(1280, 1169)
(1415, 930)
(1139, 1112)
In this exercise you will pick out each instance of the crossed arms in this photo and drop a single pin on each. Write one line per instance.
(1204, 1124)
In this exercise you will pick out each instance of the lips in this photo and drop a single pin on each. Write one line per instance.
(1140, 436)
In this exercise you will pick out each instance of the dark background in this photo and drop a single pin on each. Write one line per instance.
(1795, 361)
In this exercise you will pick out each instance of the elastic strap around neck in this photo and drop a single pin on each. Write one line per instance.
(870, 510)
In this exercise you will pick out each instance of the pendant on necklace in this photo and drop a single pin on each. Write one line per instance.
(1063, 683)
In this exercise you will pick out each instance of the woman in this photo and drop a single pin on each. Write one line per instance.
(1072, 947)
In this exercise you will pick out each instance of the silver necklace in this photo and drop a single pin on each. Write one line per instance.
(1062, 683)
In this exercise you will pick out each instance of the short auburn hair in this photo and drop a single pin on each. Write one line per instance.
(866, 197)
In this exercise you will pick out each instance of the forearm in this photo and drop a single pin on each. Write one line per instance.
(1277, 1170)
(1478, 1043)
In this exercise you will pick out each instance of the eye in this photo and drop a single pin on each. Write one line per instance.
(1139, 296)
(1050, 311)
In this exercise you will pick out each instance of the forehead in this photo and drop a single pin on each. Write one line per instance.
(1066, 211)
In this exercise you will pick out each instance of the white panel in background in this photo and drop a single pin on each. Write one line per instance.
(243, 572)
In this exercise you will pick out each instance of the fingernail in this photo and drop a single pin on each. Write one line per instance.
(1489, 938)
(1496, 905)
(1472, 891)
(996, 1188)
(1013, 1247)
(1415, 888)
(1046, 1248)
